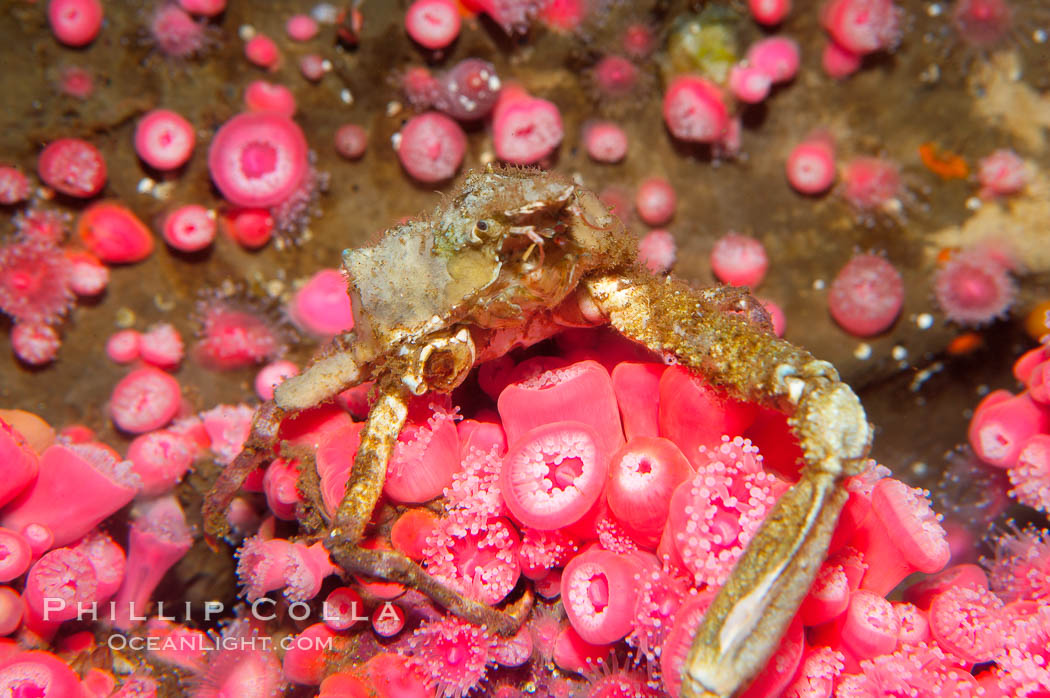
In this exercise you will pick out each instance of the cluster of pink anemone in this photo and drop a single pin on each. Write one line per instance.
(624, 487)
(1012, 431)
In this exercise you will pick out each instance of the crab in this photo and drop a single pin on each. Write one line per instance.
(512, 257)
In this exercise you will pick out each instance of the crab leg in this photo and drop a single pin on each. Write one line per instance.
(385, 420)
(362, 493)
(322, 380)
(752, 610)
(395, 567)
(257, 448)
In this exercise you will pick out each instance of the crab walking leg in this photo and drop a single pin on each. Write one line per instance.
(323, 379)
(753, 609)
(395, 567)
(362, 492)
(748, 617)
(369, 470)
(257, 448)
(699, 328)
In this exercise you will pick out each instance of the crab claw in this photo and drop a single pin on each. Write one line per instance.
(752, 611)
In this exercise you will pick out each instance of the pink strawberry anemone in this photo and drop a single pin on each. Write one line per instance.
(482, 565)
(257, 159)
(426, 455)
(236, 332)
(35, 282)
(455, 653)
(599, 595)
(715, 514)
(553, 474)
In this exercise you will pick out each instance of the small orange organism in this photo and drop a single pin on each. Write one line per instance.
(1037, 322)
(943, 163)
(965, 343)
(945, 253)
